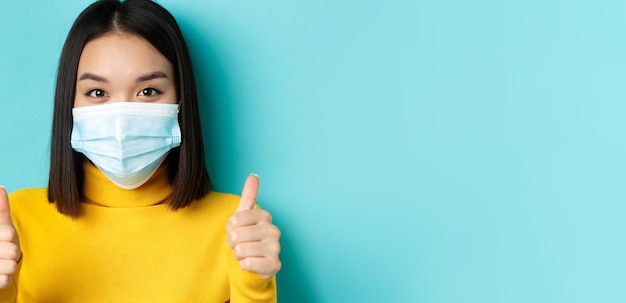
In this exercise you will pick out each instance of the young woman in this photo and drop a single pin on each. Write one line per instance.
(129, 215)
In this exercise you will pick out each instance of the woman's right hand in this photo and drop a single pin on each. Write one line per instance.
(9, 243)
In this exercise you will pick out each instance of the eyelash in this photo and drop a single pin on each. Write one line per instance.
(154, 91)
(91, 93)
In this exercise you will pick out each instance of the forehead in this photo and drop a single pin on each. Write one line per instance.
(122, 54)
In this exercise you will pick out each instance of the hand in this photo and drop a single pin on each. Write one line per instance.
(9, 243)
(252, 236)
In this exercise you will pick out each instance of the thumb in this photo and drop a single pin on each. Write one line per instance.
(249, 193)
(5, 214)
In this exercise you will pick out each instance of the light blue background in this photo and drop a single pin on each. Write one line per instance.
(410, 151)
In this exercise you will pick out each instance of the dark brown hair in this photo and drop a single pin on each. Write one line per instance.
(187, 170)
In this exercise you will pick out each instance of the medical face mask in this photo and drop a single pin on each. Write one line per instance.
(127, 141)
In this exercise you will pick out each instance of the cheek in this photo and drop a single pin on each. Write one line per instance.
(79, 102)
(170, 97)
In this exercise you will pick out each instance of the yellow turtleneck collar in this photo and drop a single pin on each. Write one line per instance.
(99, 190)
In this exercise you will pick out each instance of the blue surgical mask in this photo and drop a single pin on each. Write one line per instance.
(127, 141)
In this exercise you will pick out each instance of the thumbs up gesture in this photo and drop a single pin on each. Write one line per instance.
(251, 234)
(9, 244)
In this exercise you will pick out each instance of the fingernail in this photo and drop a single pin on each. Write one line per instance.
(253, 174)
(2, 186)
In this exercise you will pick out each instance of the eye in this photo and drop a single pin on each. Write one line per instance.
(149, 92)
(96, 93)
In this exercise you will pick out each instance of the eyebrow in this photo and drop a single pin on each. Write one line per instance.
(90, 76)
(143, 78)
(150, 76)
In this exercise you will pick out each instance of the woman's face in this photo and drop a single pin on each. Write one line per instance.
(123, 68)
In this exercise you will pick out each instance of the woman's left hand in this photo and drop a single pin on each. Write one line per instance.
(252, 236)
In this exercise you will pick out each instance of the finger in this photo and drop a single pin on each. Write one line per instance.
(249, 193)
(5, 213)
(264, 249)
(8, 251)
(7, 267)
(240, 219)
(264, 267)
(5, 280)
(7, 233)
(253, 233)
(249, 217)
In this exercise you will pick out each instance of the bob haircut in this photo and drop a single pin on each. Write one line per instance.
(187, 171)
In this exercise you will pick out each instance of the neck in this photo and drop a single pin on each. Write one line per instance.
(99, 190)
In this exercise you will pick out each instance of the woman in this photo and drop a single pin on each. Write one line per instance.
(129, 215)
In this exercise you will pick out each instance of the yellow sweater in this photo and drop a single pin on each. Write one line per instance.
(127, 247)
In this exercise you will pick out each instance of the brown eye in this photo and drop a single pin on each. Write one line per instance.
(96, 93)
(149, 92)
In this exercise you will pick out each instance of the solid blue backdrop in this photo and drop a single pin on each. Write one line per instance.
(410, 151)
